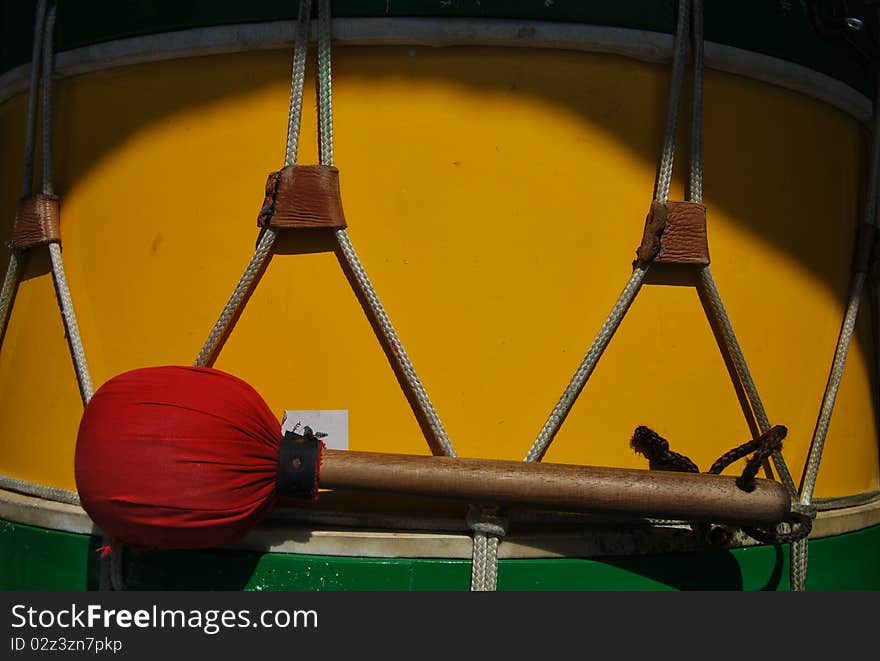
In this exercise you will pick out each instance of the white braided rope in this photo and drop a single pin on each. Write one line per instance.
(847, 330)
(718, 311)
(661, 194)
(74, 338)
(695, 192)
(667, 158)
(83, 376)
(716, 305)
(16, 259)
(488, 529)
(485, 547)
(800, 549)
(393, 340)
(45, 25)
(484, 563)
(236, 301)
(325, 83)
(800, 560)
(62, 288)
(731, 344)
(7, 293)
(39, 490)
(588, 364)
(45, 28)
(347, 249)
(263, 250)
(298, 76)
(695, 181)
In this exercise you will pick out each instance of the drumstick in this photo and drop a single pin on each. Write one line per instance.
(659, 494)
(182, 457)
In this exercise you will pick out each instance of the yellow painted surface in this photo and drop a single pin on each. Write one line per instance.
(496, 197)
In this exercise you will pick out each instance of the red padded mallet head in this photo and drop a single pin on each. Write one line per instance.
(179, 457)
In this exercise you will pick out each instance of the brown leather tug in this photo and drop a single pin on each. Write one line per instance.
(675, 233)
(37, 222)
(303, 196)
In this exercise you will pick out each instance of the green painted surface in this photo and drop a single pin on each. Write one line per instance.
(39, 559)
(780, 29)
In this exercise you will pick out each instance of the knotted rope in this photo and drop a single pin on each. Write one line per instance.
(655, 449)
(488, 527)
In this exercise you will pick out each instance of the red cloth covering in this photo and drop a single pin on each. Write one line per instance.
(177, 457)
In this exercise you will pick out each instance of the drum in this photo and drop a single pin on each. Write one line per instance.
(495, 168)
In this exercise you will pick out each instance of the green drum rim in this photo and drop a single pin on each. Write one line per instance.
(33, 558)
(777, 29)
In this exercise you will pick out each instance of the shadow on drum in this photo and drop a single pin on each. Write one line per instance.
(190, 570)
(36, 265)
(758, 171)
(747, 166)
(304, 242)
(717, 570)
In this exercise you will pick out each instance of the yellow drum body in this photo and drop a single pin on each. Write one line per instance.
(496, 197)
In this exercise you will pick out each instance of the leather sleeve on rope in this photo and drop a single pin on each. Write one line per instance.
(37, 222)
(299, 460)
(655, 223)
(303, 196)
(866, 251)
(675, 233)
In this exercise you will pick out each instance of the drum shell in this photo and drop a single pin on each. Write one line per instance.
(497, 197)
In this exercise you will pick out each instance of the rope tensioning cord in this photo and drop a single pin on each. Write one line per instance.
(487, 525)
(486, 571)
(37, 224)
(690, 17)
(664, 178)
(264, 248)
(483, 524)
(865, 254)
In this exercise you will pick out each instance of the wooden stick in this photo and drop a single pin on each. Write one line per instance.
(656, 494)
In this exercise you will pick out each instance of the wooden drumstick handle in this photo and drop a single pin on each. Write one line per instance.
(657, 494)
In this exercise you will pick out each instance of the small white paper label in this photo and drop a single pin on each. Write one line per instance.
(332, 422)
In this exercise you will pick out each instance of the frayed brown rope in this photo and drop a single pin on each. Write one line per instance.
(655, 448)
(763, 446)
